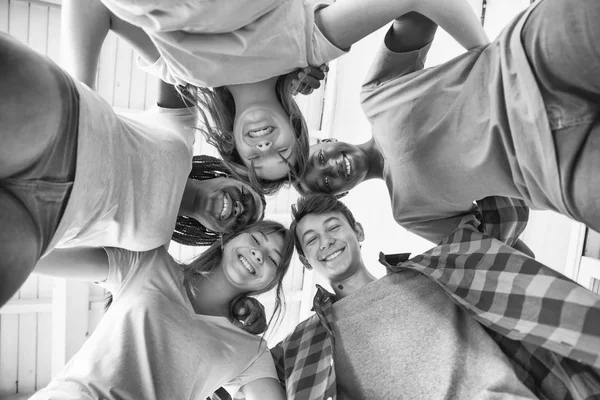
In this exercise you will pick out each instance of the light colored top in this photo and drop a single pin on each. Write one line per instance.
(215, 43)
(402, 337)
(472, 127)
(130, 175)
(151, 344)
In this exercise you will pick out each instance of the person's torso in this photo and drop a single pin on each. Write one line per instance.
(260, 45)
(151, 344)
(401, 337)
(130, 176)
(467, 129)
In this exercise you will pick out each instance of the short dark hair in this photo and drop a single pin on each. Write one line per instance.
(318, 203)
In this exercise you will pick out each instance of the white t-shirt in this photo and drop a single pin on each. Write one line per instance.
(152, 345)
(130, 175)
(215, 43)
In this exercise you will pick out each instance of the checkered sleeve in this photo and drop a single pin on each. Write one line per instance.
(307, 362)
(503, 218)
(515, 295)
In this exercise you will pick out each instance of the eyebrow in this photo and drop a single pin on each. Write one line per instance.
(267, 239)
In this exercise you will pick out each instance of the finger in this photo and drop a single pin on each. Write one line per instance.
(312, 82)
(239, 324)
(316, 73)
(239, 308)
(324, 67)
(304, 89)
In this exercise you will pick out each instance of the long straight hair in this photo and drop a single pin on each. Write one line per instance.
(216, 108)
(211, 259)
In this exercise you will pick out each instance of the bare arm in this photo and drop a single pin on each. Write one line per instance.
(81, 263)
(263, 389)
(346, 22)
(84, 26)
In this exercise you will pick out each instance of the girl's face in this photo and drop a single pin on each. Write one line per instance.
(227, 205)
(251, 259)
(265, 140)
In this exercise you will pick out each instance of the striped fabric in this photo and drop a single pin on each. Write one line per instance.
(546, 324)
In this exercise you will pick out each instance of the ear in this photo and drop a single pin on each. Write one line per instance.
(360, 233)
(305, 262)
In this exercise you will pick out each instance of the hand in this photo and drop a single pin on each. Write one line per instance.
(249, 315)
(309, 79)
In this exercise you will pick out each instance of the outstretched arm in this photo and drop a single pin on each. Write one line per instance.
(84, 26)
(81, 263)
(346, 22)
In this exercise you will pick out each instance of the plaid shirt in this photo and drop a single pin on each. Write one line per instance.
(547, 325)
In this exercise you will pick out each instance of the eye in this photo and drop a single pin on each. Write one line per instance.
(255, 239)
(321, 157)
(334, 227)
(273, 261)
(311, 241)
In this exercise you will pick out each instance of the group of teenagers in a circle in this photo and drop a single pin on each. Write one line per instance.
(87, 192)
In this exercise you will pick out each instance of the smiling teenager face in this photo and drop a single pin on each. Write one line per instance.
(251, 259)
(265, 140)
(334, 167)
(226, 205)
(330, 245)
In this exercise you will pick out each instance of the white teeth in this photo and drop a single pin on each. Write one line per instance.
(333, 255)
(261, 132)
(247, 265)
(347, 163)
(225, 207)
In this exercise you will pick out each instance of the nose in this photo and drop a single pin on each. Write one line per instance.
(238, 209)
(257, 255)
(329, 167)
(264, 145)
(326, 242)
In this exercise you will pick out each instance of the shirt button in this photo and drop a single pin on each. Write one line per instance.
(330, 398)
(331, 362)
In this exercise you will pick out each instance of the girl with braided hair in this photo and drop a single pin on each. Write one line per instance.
(220, 204)
(74, 172)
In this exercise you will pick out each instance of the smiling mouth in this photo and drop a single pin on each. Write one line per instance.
(258, 133)
(333, 255)
(226, 207)
(347, 166)
(247, 265)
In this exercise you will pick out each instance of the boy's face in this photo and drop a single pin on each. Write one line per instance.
(330, 245)
(334, 167)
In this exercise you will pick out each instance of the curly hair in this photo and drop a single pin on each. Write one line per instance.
(188, 231)
(211, 259)
(217, 105)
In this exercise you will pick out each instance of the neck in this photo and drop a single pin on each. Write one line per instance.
(376, 160)
(209, 297)
(345, 287)
(247, 94)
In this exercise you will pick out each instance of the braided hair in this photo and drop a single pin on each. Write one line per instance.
(188, 231)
